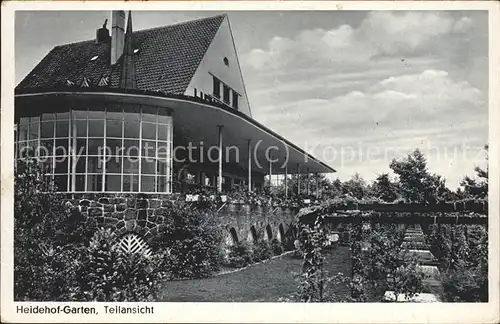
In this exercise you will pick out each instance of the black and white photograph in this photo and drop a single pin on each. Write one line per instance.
(247, 157)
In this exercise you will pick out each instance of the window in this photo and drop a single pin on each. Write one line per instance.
(235, 100)
(108, 141)
(226, 94)
(216, 88)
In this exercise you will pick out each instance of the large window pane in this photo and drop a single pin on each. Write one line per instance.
(81, 146)
(96, 114)
(81, 162)
(149, 114)
(95, 146)
(163, 149)
(131, 127)
(113, 164)
(94, 164)
(148, 166)
(147, 184)
(114, 147)
(161, 184)
(80, 183)
(34, 131)
(148, 131)
(149, 148)
(46, 163)
(62, 147)
(162, 132)
(130, 165)
(23, 132)
(131, 148)
(49, 116)
(114, 112)
(61, 165)
(62, 128)
(114, 128)
(62, 115)
(80, 114)
(130, 182)
(96, 128)
(61, 182)
(162, 167)
(113, 182)
(46, 147)
(47, 129)
(24, 120)
(81, 128)
(163, 116)
(94, 182)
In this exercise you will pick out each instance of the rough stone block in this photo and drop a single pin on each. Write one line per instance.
(120, 224)
(130, 225)
(84, 202)
(130, 214)
(154, 203)
(142, 214)
(108, 207)
(118, 215)
(141, 203)
(151, 212)
(95, 211)
(103, 200)
(121, 207)
(130, 203)
(141, 223)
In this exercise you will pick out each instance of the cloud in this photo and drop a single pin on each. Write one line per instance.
(381, 33)
(391, 83)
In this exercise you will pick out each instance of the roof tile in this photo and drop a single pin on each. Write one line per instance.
(172, 52)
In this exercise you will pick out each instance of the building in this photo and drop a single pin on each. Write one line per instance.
(149, 111)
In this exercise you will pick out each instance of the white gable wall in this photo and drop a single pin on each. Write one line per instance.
(213, 64)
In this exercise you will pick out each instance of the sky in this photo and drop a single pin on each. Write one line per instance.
(354, 88)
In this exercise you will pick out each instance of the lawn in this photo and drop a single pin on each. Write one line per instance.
(265, 282)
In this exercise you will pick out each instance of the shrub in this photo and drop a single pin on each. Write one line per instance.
(239, 255)
(192, 239)
(106, 273)
(261, 251)
(276, 247)
(461, 286)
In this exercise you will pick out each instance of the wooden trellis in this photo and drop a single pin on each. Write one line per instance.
(458, 213)
(132, 243)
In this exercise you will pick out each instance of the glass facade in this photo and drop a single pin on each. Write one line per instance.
(114, 148)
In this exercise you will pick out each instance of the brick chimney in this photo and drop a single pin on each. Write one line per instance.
(102, 34)
(117, 34)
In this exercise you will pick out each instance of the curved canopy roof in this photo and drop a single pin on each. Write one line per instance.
(197, 120)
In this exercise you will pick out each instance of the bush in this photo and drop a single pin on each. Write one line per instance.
(276, 247)
(109, 274)
(239, 255)
(192, 240)
(261, 251)
(461, 286)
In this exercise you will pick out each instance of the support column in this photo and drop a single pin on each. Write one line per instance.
(286, 180)
(317, 185)
(298, 179)
(73, 151)
(219, 182)
(249, 166)
(270, 173)
(308, 182)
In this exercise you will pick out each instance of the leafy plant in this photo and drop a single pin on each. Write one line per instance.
(240, 255)
(261, 251)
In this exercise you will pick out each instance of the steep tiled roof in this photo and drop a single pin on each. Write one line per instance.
(166, 59)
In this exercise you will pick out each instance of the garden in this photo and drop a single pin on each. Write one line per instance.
(58, 257)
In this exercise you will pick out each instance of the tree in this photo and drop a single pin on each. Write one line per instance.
(384, 188)
(355, 187)
(477, 188)
(416, 183)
